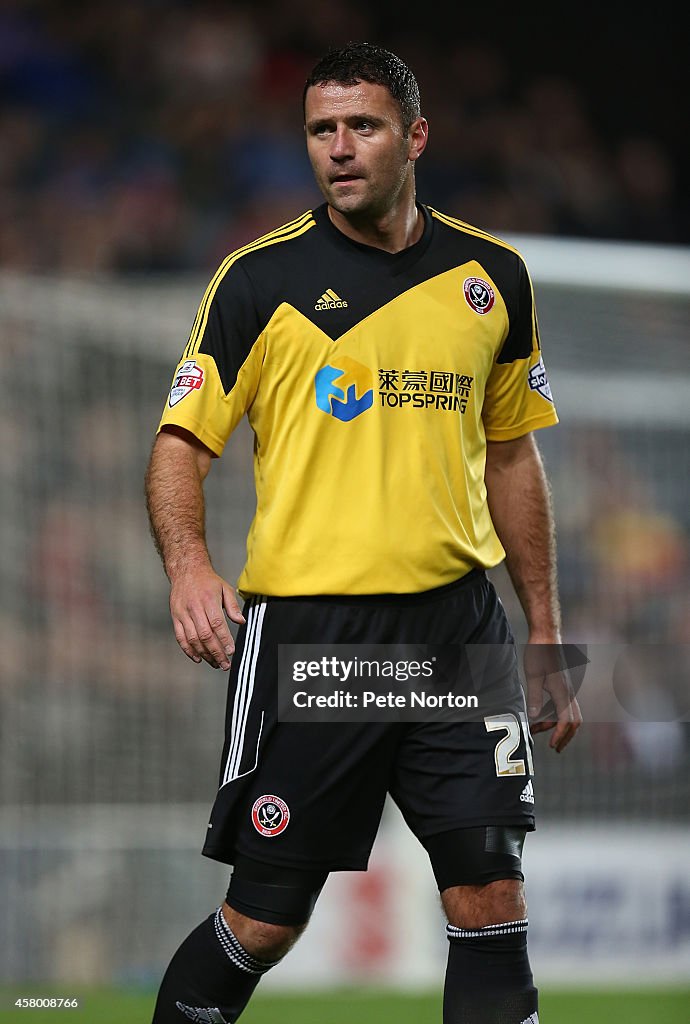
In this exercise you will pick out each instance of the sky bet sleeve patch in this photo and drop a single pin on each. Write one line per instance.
(188, 378)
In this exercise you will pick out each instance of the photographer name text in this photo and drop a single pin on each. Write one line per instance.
(370, 699)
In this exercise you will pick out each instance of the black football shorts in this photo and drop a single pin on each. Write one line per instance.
(311, 794)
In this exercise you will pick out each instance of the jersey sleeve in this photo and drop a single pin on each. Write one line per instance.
(216, 379)
(518, 397)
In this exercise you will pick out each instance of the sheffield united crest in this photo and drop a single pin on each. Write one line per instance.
(479, 294)
(270, 816)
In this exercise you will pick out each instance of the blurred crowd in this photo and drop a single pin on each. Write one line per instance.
(160, 134)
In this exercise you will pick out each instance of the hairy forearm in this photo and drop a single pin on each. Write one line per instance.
(520, 504)
(175, 503)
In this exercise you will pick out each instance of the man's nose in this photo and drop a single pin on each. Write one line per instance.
(341, 144)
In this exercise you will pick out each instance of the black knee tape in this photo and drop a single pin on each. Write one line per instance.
(274, 894)
(476, 856)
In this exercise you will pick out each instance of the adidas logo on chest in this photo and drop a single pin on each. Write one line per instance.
(329, 300)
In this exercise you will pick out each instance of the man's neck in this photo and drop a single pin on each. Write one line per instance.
(393, 232)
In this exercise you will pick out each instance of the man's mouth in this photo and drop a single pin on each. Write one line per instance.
(344, 179)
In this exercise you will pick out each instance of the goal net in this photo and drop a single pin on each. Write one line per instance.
(110, 738)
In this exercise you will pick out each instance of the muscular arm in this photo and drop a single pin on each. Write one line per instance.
(520, 505)
(199, 597)
(175, 500)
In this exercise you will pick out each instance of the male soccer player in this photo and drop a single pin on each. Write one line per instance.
(388, 359)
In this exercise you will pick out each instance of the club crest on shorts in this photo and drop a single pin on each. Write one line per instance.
(188, 378)
(479, 294)
(270, 816)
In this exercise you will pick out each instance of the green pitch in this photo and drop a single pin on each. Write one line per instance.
(364, 1007)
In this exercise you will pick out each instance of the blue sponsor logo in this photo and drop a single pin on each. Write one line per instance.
(351, 396)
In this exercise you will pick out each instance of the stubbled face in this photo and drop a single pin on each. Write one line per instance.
(361, 159)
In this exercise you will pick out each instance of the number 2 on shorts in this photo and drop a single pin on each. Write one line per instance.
(508, 744)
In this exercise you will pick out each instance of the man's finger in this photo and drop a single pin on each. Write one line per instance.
(561, 691)
(187, 630)
(569, 721)
(199, 646)
(564, 733)
(536, 727)
(208, 644)
(181, 637)
(535, 696)
(223, 637)
(232, 608)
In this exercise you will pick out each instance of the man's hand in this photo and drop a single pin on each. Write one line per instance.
(199, 603)
(551, 701)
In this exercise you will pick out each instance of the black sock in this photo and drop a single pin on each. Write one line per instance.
(210, 978)
(488, 980)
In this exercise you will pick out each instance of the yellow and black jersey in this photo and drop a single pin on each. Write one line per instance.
(372, 381)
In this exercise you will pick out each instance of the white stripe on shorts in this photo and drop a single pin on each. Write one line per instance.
(245, 688)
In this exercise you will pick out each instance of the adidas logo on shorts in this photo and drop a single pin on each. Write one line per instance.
(527, 797)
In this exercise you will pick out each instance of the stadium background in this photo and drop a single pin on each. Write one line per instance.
(139, 144)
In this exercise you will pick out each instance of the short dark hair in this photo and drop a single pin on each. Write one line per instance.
(365, 62)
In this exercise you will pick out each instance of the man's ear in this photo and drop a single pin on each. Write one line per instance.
(418, 136)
